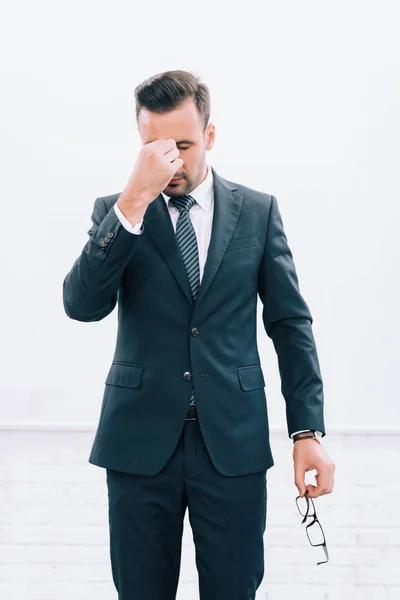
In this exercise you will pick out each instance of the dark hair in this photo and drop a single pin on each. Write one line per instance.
(163, 92)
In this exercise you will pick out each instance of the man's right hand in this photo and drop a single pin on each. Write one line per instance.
(154, 168)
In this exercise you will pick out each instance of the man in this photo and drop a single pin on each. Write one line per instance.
(184, 423)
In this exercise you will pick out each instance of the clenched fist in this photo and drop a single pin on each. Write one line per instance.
(154, 168)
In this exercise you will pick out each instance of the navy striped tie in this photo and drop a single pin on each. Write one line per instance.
(187, 242)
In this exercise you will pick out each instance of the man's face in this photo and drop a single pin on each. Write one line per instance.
(184, 125)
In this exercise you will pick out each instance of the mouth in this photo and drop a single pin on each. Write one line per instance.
(177, 180)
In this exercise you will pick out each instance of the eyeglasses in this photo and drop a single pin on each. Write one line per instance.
(314, 531)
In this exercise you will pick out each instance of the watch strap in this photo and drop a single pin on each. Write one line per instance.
(305, 435)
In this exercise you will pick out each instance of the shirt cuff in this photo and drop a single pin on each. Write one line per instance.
(317, 433)
(136, 229)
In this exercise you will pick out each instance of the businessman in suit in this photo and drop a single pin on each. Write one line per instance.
(183, 423)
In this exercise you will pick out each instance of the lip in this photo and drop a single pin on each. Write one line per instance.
(176, 180)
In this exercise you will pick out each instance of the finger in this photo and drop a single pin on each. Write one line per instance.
(311, 489)
(329, 486)
(323, 479)
(299, 473)
(331, 482)
(172, 153)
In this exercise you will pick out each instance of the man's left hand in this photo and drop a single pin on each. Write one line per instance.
(308, 454)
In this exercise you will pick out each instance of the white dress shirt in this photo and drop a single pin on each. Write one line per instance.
(201, 216)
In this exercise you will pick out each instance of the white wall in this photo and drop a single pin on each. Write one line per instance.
(305, 99)
(305, 103)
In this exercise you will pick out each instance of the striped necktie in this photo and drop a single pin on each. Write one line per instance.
(187, 242)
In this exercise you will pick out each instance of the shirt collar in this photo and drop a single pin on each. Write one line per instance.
(203, 193)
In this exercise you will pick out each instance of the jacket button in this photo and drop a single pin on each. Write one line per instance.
(194, 331)
(110, 234)
(187, 375)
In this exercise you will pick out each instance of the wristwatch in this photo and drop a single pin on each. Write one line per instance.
(315, 435)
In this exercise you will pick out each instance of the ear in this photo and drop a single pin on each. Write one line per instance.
(210, 136)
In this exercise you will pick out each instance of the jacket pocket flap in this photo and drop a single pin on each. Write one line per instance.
(125, 375)
(247, 241)
(251, 377)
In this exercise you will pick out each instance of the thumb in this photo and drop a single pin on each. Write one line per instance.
(299, 473)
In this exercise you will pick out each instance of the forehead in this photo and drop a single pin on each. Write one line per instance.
(181, 123)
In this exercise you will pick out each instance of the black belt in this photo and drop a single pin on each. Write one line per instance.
(191, 413)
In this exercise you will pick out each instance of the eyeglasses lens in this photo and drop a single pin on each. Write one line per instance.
(315, 534)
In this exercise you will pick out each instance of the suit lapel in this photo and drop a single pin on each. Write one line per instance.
(227, 207)
(157, 221)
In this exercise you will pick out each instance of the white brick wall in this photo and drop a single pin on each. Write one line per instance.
(54, 527)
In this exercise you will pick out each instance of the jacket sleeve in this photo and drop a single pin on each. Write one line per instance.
(287, 321)
(90, 289)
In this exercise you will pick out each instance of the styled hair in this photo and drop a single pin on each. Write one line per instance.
(164, 92)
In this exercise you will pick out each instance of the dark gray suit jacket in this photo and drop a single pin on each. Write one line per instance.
(163, 335)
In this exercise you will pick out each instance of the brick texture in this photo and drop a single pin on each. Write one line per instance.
(54, 527)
